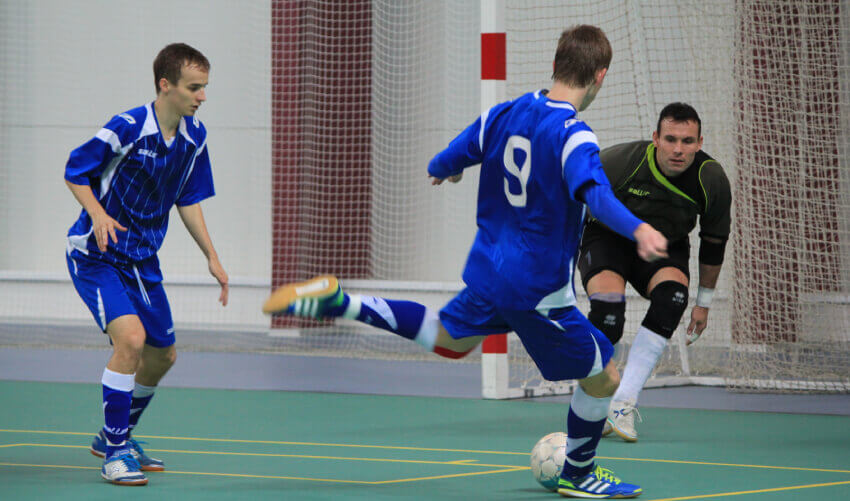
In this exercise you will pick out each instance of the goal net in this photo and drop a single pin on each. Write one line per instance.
(323, 114)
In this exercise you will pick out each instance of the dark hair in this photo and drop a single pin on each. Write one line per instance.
(679, 112)
(171, 59)
(582, 51)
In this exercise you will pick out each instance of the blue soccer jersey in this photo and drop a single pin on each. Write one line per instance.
(536, 158)
(137, 177)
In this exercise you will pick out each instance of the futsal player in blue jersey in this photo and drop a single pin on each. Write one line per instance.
(539, 168)
(127, 178)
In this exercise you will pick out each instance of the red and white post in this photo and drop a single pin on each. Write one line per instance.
(494, 350)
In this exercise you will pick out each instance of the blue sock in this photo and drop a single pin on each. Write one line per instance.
(585, 421)
(406, 318)
(401, 317)
(142, 396)
(117, 395)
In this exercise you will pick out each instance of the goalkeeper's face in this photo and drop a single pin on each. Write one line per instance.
(189, 92)
(676, 144)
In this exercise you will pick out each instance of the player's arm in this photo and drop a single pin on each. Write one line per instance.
(465, 150)
(199, 187)
(708, 275)
(103, 226)
(714, 232)
(86, 163)
(193, 219)
(587, 183)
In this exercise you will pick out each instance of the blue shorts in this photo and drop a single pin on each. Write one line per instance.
(563, 343)
(110, 292)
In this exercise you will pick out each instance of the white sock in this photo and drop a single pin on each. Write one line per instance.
(644, 354)
(427, 335)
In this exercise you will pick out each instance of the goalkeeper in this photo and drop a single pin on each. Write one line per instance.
(668, 182)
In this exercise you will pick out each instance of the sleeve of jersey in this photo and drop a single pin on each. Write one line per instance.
(199, 185)
(587, 182)
(88, 161)
(717, 220)
(606, 208)
(462, 152)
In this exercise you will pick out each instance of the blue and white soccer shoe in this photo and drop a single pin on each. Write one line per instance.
(146, 463)
(122, 468)
(598, 484)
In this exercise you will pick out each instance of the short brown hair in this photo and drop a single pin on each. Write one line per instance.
(582, 51)
(171, 59)
(679, 112)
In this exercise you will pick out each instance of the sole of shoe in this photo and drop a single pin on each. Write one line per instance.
(285, 295)
(143, 481)
(568, 493)
(625, 436)
(97, 453)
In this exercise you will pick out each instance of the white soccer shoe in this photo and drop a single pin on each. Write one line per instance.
(122, 468)
(621, 417)
(607, 429)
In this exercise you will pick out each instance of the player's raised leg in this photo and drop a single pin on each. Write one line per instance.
(322, 297)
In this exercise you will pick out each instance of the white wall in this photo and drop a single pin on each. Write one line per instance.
(67, 67)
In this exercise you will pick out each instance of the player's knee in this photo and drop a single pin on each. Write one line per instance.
(447, 353)
(668, 302)
(608, 314)
(170, 358)
(130, 343)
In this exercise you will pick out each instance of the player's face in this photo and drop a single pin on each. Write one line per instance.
(186, 97)
(676, 145)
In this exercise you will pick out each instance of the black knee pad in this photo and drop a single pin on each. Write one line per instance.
(608, 318)
(668, 302)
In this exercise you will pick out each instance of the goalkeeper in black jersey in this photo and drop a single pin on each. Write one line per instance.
(668, 182)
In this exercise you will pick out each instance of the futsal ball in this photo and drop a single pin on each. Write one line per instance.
(547, 459)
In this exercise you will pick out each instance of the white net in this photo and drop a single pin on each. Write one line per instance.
(663, 53)
(790, 320)
(323, 114)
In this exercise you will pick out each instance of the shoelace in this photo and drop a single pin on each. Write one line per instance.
(135, 444)
(606, 475)
(129, 461)
(631, 409)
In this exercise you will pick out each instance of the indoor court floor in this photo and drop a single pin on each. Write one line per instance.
(227, 441)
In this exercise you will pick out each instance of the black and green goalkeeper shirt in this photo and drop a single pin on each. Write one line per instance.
(670, 204)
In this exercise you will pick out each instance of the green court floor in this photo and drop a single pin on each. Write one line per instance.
(225, 444)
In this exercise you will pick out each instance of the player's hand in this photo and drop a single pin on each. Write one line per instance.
(103, 227)
(651, 244)
(218, 272)
(436, 181)
(699, 320)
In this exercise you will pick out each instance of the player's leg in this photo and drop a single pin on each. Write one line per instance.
(668, 294)
(607, 293)
(603, 262)
(158, 356)
(322, 297)
(565, 345)
(102, 289)
(119, 466)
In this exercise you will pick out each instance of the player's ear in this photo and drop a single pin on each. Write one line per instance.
(164, 84)
(600, 75)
